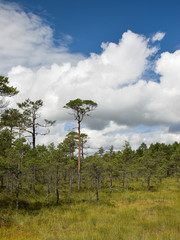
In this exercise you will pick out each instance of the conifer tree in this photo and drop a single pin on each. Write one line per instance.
(30, 116)
(127, 157)
(6, 90)
(95, 168)
(80, 108)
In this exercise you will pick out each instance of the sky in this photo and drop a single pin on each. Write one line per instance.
(124, 55)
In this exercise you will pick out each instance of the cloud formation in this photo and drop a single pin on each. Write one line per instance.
(114, 79)
(158, 36)
(109, 79)
(26, 40)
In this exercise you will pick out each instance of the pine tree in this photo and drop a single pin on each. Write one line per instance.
(81, 108)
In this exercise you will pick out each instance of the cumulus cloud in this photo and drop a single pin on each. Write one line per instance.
(121, 98)
(113, 79)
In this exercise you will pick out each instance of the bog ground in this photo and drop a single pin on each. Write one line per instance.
(120, 215)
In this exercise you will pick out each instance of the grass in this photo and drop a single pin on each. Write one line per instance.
(122, 215)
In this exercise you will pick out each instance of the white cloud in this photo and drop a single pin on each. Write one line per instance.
(158, 36)
(117, 138)
(113, 79)
(26, 40)
(136, 103)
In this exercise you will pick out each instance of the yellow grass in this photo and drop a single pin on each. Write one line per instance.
(133, 215)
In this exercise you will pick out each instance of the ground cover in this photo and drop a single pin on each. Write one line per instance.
(120, 215)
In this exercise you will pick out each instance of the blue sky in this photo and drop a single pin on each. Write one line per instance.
(91, 22)
(133, 74)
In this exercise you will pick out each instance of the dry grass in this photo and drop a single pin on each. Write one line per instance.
(133, 215)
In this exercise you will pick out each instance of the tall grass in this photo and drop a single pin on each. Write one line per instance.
(122, 215)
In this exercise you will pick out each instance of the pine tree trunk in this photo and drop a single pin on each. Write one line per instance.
(97, 193)
(57, 196)
(34, 133)
(79, 157)
(82, 151)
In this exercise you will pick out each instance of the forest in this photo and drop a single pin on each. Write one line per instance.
(34, 176)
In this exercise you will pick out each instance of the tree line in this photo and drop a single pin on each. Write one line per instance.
(51, 168)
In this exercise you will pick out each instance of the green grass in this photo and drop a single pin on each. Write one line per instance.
(122, 215)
